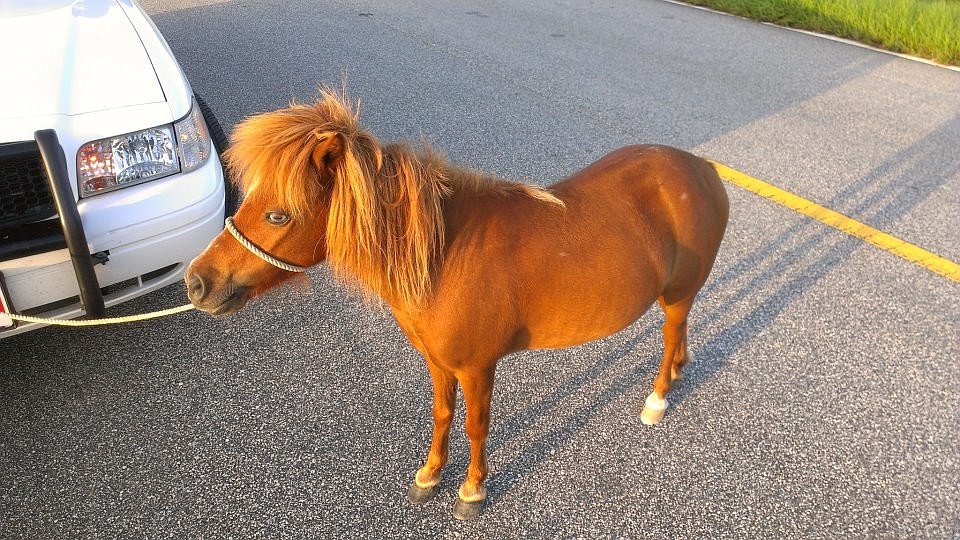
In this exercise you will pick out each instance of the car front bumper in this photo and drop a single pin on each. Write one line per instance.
(149, 233)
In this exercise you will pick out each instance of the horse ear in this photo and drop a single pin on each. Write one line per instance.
(329, 150)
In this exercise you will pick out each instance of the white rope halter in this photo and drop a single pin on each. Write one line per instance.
(283, 265)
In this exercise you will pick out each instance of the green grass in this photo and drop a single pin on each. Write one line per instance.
(925, 28)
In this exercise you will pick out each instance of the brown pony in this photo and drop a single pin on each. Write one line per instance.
(472, 267)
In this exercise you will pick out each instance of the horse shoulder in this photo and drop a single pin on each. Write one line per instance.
(472, 314)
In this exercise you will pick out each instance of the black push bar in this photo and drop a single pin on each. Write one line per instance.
(66, 203)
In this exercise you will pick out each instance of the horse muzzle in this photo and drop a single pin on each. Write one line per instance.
(215, 298)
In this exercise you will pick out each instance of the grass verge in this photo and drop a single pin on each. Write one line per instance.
(925, 28)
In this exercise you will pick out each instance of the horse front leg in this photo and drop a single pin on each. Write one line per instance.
(477, 392)
(425, 482)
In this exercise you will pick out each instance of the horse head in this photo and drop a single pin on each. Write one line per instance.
(286, 163)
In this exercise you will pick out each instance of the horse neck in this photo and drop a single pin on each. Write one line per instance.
(387, 227)
(386, 230)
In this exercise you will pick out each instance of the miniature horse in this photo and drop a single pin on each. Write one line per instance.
(472, 267)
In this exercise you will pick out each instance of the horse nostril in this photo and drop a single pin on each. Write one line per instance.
(196, 288)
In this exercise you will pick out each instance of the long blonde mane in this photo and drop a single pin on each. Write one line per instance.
(385, 225)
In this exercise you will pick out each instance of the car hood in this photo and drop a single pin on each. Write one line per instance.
(71, 57)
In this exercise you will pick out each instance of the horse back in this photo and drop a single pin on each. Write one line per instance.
(641, 223)
(675, 200)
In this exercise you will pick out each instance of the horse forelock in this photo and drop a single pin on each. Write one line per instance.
(271, 152)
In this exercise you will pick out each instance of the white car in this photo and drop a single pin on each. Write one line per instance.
(110, 183)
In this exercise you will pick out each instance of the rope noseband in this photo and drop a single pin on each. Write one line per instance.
(283, 265)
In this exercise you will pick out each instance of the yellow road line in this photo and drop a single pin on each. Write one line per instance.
(910, 252)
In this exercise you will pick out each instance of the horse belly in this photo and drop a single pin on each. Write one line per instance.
(589, 301)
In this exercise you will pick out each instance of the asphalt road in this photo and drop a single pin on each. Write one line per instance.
(823, 402)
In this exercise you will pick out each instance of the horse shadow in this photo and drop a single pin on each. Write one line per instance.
(896, 187)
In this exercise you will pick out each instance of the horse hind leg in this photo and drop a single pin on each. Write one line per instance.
(674, 358)
(681, 358)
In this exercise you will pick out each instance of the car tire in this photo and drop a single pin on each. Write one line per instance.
(221, 143)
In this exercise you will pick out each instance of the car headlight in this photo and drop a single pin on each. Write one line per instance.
(127, 160)
(194, 140)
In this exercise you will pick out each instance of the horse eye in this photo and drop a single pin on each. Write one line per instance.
(277, 218)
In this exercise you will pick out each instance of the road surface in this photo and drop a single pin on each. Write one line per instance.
(823, 401)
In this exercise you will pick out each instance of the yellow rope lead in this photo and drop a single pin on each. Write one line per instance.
(95, 322)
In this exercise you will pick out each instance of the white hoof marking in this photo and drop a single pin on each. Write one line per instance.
(653, 409)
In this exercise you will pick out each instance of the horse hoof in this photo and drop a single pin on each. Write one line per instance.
(419, 495)
(651, 417)
(467, 510)
(653, 409)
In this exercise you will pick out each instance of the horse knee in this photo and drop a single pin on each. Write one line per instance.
(674, 330)
(442, 416)
(477, 429)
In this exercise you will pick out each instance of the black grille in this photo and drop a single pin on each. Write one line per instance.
(24, 192)
(26, 203)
